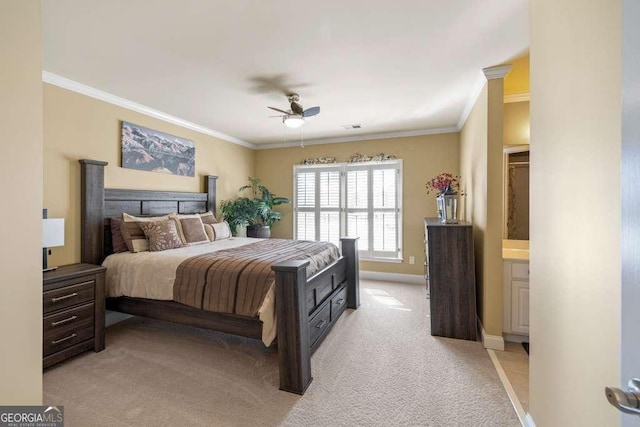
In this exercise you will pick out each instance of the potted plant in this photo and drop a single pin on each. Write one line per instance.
(264, 216)
(256, 213)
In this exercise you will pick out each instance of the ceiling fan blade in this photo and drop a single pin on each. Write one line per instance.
(296, 108)
(311, 112)
(284, 115)
(279, 110)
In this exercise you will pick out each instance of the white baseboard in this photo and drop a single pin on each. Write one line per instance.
(393, 277)
(528, 421)
(513, 397)
(493, 342)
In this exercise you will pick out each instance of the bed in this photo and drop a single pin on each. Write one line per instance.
(305, 308)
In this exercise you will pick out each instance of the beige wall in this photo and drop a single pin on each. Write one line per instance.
(575, 211)
(423, 157)
(481, 140)
(21, 193)
(516, 123)
(77, 126)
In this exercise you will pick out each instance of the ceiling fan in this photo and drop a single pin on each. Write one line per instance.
(295, 116)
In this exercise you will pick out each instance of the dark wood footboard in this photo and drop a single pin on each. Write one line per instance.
(306, 308)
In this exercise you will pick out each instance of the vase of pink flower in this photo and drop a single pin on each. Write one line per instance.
(447, 186)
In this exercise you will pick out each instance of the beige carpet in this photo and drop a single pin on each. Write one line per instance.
(379, 366)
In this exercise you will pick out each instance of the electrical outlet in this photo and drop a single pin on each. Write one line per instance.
(412, 260)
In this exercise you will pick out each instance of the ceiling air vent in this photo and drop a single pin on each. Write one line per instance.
(356, 126)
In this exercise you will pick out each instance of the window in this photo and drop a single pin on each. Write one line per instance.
(352, 199)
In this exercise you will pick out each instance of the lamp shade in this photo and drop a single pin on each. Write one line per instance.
(293, 121)
(52, 232)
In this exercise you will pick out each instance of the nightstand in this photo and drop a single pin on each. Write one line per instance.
(73, 311)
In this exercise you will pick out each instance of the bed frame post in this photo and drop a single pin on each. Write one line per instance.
(350, 252)
(92, 209)
(210, 188)
(294, 349)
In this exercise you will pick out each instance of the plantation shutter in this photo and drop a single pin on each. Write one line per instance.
(361, 199)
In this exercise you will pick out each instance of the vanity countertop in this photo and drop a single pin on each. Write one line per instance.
(515, 249)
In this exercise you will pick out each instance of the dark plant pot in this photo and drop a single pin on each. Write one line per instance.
(259, 231)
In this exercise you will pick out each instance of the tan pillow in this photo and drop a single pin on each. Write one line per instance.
(211, 235)
(190, 229)
(162, 235)
(221, 230)
(208, 218)
(133, 235)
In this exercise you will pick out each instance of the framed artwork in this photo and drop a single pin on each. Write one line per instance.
(151, 150)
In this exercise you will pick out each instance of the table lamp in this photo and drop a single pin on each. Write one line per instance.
(52, 236)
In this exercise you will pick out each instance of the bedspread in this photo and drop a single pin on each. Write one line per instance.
(238, 280)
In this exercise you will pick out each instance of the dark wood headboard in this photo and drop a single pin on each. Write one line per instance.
(98, 205)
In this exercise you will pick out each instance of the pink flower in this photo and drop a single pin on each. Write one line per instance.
(440, 182)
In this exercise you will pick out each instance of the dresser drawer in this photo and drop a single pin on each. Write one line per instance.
(520, 271)
(319, 323)
(59, 340)
(68, 296)
(338, 303)
(73, 318)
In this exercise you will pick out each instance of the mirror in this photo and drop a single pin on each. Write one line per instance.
(516, 193)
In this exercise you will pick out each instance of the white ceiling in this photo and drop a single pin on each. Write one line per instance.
(391, 66)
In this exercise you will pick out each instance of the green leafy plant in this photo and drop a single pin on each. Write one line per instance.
(255, 211)
(264, 201)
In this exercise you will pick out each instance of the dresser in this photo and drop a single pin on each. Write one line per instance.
(450, 276)
(73, 311)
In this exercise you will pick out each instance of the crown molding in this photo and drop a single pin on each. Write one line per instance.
(498, 72)
(481, 80)
(517, 97)
(92, 92)
(356, 138)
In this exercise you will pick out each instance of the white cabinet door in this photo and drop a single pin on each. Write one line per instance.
(520, 307)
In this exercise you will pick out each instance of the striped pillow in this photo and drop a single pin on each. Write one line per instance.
(208, 218)
(133, 235)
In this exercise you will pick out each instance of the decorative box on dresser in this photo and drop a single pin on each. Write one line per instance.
(450, 275)
(73, 311)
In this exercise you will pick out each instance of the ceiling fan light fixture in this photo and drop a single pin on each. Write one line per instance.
(293, 122)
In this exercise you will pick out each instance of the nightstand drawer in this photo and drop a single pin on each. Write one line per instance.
(73, 318)
(68, 296)
(59, 340)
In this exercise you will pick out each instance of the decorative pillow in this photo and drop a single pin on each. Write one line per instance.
(117, 242)
(211, 235)
(221, 230)
(190, 229)
(133, 235)
(208, 218)
(162, 235)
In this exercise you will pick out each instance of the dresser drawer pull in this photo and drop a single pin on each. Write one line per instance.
(62, 298)
(54, 342)
(63, 321)
(340, 301)
(321, 324)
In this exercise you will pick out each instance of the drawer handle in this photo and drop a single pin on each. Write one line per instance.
(62, 298)
(340, 301)
(321, 324)
(63, 321)
(54, 342)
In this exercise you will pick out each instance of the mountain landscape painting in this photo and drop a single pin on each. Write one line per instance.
(150, 150)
